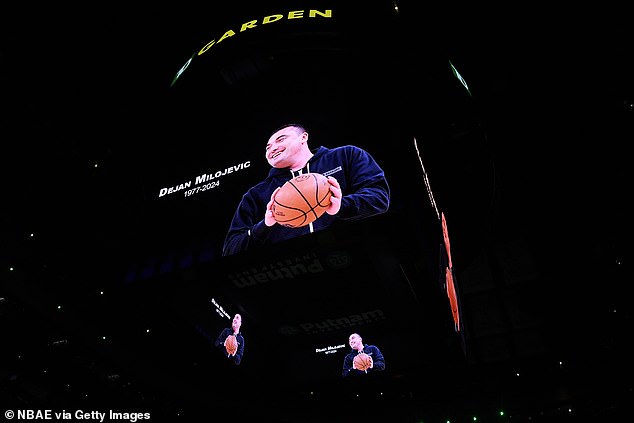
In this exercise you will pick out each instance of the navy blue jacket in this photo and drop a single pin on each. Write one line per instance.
(377, 360)
(363, 185)
(220, 343)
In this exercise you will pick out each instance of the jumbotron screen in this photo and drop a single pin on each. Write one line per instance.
(354, 95)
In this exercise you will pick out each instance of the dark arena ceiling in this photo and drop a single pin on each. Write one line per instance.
(130, 136)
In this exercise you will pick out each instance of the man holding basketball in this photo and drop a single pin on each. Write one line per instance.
(376, 360)
(357, 184)
(234, 330)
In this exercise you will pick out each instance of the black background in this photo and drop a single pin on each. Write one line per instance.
(531, 171)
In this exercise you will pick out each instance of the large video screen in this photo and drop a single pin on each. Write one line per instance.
(289, 206)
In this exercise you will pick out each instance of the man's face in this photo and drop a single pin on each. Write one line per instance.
(355, 341)
(237, 322)
(283, 146)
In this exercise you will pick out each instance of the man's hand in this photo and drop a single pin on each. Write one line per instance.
(269, 219)
(335, 197)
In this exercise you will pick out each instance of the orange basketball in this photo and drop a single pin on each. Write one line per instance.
(231, 344)
(362, 361)
(301, 200)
